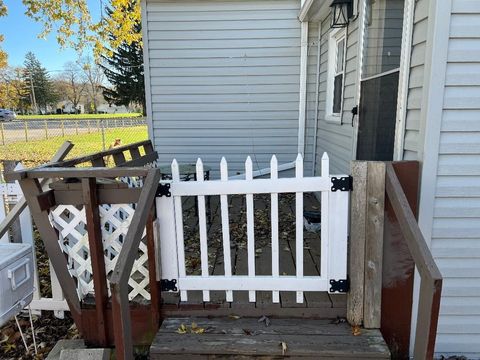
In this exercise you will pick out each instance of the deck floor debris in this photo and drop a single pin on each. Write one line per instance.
(233, 337)
(238, 234)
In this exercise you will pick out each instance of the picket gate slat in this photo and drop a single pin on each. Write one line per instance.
(168, 249)
(227, 258)
(274, 221)
(299, 225)
(179, 229)
(250, 227)
(324, 216)
(202, 224)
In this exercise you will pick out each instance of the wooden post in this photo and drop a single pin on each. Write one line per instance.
(76, 126)
(88, 125)
(366, 244)
(95, 242)
(356, 249)
(63, 128)
(374, 244)
(26, 131)
(46, 129)
(119, 280)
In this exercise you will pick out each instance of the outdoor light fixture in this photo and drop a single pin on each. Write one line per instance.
(341, 12)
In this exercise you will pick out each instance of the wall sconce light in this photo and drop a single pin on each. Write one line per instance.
(342, 11)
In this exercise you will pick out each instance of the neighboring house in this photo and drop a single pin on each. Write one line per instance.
(112, 109)
(66, 107)
(262, 77)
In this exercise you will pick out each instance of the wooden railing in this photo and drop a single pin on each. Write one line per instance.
(385, 246)
(90, 189)
(140, 154)
(431, 278)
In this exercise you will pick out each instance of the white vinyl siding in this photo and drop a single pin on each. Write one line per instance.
(455, 240)
(224, 81)
(412, 141)
(334, 138)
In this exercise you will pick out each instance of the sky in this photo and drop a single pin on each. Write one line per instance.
(21, 33)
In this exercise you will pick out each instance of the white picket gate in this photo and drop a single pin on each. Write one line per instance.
(334, 231)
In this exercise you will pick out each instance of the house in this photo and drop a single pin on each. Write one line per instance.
(400, 81)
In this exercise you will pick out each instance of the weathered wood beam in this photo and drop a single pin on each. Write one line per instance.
(97, 259)
(356, 251)
(78, 173)
(99, 155)
(431, 278)
(141, 161)
(123, 267)
(416, 242)
(31, 189)
(105, 196)
(13, 214)
(375, 210)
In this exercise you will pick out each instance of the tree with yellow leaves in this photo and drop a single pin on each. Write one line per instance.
(72, 22)
(3, 54)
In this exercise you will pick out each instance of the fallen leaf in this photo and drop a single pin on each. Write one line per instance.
(234, 317)
(284, 346)
(182, 329)
(198, 330)
(356, 330)
(8, 347)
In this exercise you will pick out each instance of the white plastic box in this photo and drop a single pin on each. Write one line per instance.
(16, 279)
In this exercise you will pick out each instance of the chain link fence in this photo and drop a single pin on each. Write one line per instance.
(35, 141)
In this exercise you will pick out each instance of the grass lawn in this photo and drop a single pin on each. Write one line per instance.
(77, 116)
(39, 151)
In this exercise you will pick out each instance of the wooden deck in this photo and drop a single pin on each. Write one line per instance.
(315, 305)
(248, 338)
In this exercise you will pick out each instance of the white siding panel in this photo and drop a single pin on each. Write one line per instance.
(456, 217)
(333, 138)
(225, 80)
(412, 140)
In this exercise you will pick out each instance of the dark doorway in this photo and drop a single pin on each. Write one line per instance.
(377, 118)
(380, 73)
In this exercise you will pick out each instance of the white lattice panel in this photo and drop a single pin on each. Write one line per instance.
(73, 239)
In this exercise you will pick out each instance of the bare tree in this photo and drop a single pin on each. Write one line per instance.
(71, 84)
(94, 77)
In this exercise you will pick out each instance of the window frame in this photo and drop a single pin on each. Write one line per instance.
(335, 37)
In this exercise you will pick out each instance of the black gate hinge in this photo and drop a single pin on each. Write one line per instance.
(168, 285)
(163, 190)
(344, 183)
(341, 286)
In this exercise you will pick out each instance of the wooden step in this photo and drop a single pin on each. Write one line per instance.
(247, 337)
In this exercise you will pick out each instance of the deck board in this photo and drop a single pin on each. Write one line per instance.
(246, 337)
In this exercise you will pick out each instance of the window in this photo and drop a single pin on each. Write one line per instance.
(336, 70)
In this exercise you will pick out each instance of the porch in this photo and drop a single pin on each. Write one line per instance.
(117, 261)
